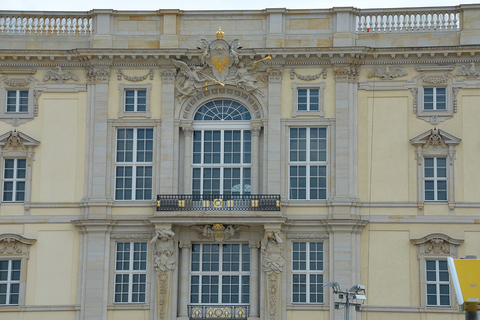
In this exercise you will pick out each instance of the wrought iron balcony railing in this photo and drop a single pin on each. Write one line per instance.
(211, 202)
(218, 311)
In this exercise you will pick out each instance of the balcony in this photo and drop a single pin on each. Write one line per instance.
(226, 202)
(218, 312)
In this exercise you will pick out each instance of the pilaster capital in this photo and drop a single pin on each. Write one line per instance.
(255, 129)
(168, 76)
(98, 75)
(187, 131)
(254, 244)
(346, 73)
(275, 75)
(184, 244)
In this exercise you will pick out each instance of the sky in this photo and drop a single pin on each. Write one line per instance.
(86, 5)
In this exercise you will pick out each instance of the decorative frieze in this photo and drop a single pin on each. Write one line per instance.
(219, 232)
(469, 71)
(307, 236)
(18, 82)
(130, 236)
(322, 74)
(120, 74)
(387, 73)
(59, 76)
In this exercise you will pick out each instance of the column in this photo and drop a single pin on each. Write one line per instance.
(167, 173)
(254, 277)
(185, 247)
(255, 129)
(187, 159)
(96, 200)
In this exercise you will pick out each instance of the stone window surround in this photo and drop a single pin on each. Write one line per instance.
(111, 145)
(425, 148)
(129, 237)
(121, 110)
(18, 83)
(306, 236)
(431, 247)
(320, 86)
(329, 123)
(16, 247)
(23, 151)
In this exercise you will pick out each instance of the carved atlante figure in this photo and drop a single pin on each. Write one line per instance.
(272, 252)
(164, 250)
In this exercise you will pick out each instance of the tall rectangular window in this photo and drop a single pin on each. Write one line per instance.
(435, 179)
(135, 100)
(9, 282)
(434, 99)
(134, 164)
(307, 272)
(308, 164)
(14, 175)
(220, 274)
(17, 101)
(222, 162)
(438, 283)
(130, 272)
(308, 99)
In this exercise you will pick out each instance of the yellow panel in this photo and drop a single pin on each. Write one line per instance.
(469, 278)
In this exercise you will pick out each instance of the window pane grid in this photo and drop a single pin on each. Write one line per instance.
(435, 179)
(9, 282)
(308, 163)
(134, 164)
(434, 99)
(14, 177)
(220, 274)
(17, 101)
(135, 100)
(221, 162)
(437, 283)
(130, 272)
(307, 272)
(308, 99)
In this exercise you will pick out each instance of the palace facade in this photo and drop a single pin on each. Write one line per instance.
(176, 165)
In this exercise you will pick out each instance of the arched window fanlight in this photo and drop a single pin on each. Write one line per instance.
(222, 110)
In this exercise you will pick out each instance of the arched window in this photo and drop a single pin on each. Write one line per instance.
(222, 149)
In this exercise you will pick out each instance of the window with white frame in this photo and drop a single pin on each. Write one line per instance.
(308, 99)
(220, 274)
(222, 157)
(14, 177)
(434, 98)
(308, 164)
(17, 101)
(130, 272)
(435, 175)
(307, 272)
(10, 282)
(134, 164)
(135, 100)
(438, 283)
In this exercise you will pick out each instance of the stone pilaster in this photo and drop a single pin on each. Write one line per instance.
(167, 148)
(344, 256)
(97, 199)
(345, 152)
(273, 134)
(95, 239)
